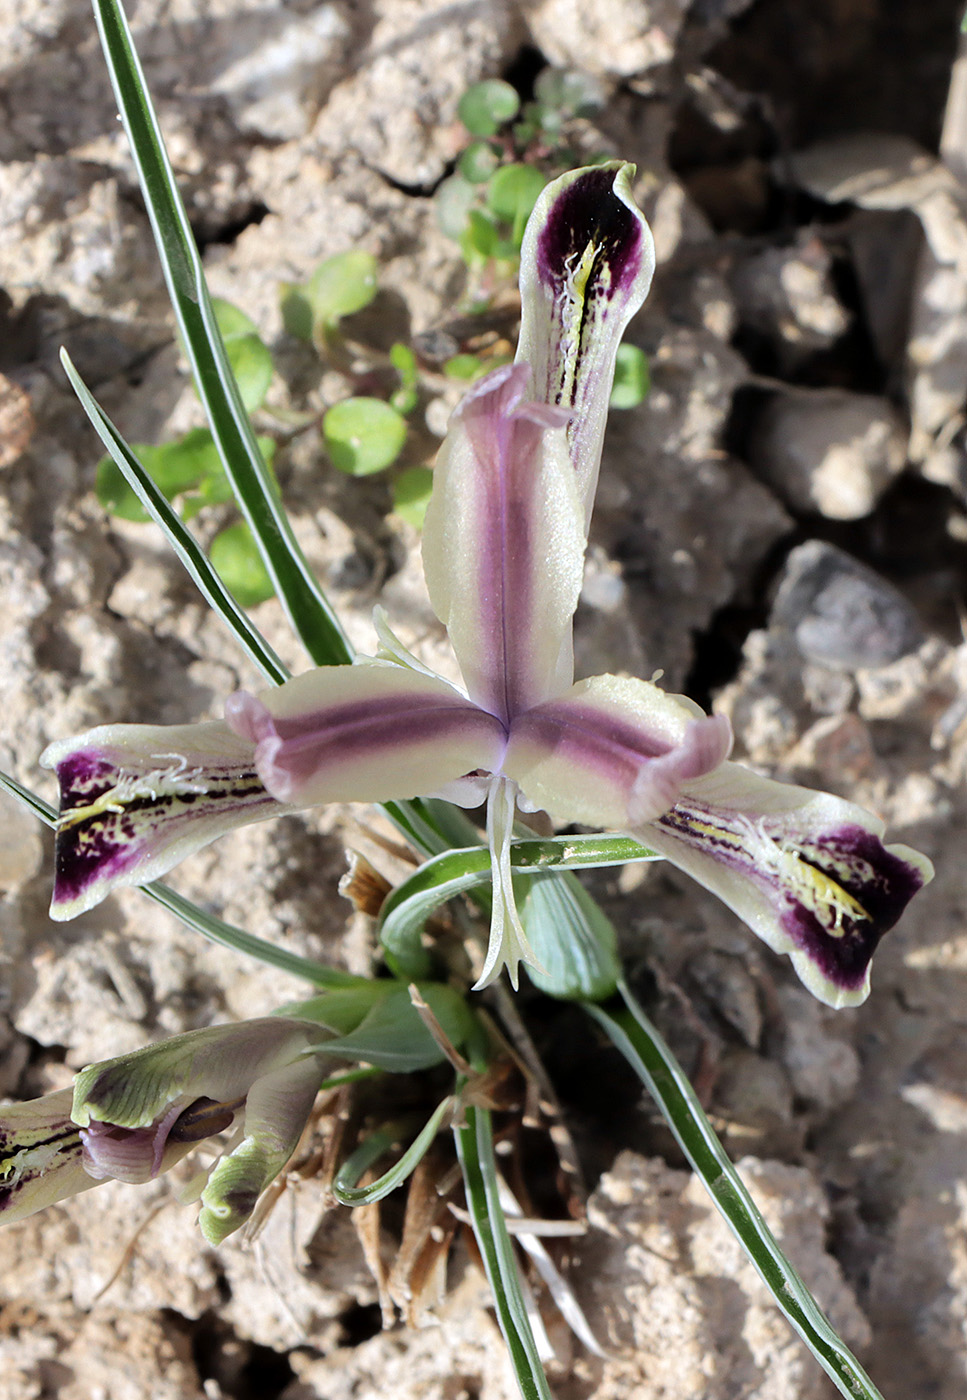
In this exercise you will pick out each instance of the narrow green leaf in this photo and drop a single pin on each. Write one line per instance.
(643, 1047)
(179, 537)
(344, 1187)
(30, 800)
(303, 599)
(218, 931)
(475, 1149)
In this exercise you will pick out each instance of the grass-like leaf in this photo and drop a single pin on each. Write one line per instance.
(218, 931)
(475, 1148)
(182, 541)
(344, 1187)
(212, 928)
(305, 603)
(643, 1047)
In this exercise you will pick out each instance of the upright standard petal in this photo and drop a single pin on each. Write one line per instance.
(586, 264)
(364, 733)
(503, 544)
(135, 799)
(806, 871)
(613, 751)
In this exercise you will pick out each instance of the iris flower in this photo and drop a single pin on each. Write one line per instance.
(503, 553)
(131, 1118)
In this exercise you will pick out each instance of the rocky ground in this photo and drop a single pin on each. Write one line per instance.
(782, 527)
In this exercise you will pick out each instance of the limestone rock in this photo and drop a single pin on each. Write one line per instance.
(828, 450)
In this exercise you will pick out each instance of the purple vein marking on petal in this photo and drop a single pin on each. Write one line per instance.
(846, 875)
(113, 839)
(506, 438)
(592, 738)
(293, 749)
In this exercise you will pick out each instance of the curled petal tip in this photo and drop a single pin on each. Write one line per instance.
(707, 743)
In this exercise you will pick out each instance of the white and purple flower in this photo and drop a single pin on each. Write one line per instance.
(503, 553)
(132, 1118)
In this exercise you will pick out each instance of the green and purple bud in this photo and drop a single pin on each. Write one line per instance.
(132, 1118)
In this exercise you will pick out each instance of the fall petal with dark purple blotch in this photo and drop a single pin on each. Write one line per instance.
(808, 872)
(135, 799)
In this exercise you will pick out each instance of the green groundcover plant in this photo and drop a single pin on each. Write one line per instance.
(503, 549)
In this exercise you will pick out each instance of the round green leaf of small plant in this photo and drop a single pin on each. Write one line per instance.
(411, 495)
(363, 435)
(485, 107)
(631, 377)
(569, 91)
(480, 238)
(341, 285)
(464, 367)
(478, 162)
(234, 555)
(453, 201)
(248, 355)
(232, 322)
(114, 493)
(512, 193)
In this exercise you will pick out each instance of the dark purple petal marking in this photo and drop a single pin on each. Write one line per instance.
(114, 818)
(834, 895)
(588, 212)
(25, 1157)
